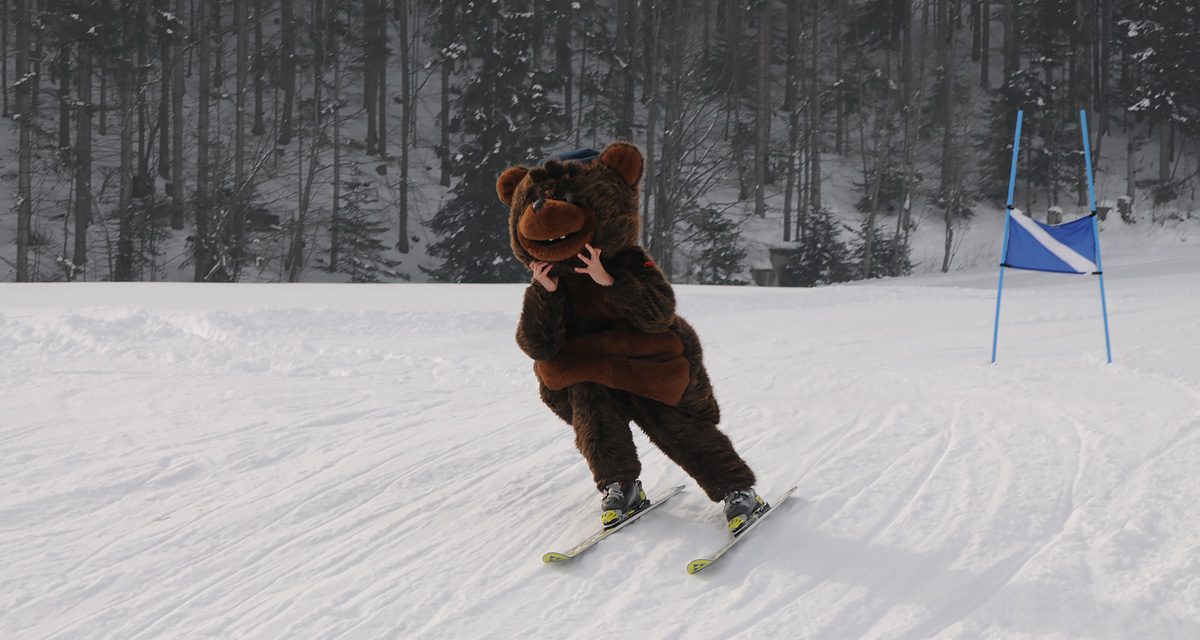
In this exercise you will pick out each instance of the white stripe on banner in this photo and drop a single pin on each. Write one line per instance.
(1060, 250)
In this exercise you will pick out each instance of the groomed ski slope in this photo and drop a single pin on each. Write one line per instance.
(324, 461)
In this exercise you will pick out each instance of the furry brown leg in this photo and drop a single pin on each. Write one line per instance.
(696, 445)
(601, 421)
(559, 401)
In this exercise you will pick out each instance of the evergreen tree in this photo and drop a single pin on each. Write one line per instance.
(1161, 37)
(721, 255)
(878, 23)
(891, 186)
(361, 252)
(504, 117)
(148, 234)
(821, 256)
(892, 255)
(1050, 149)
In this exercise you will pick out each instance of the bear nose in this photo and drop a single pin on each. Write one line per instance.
(537, 206)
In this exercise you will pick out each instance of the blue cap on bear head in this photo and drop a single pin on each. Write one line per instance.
(579, 155)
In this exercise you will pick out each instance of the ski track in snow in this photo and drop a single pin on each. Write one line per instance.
(342, 462)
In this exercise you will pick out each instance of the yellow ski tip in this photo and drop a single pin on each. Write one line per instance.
(552, 557)
(696, 565)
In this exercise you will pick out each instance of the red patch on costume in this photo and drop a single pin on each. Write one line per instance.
(648, 263)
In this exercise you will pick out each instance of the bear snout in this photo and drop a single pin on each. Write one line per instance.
(553, 230)
(553, 219)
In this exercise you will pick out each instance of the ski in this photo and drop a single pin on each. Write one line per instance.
(698, 565)
(657, 501)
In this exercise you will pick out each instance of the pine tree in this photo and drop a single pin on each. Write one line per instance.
(1161, 37)
(501, 109)
(821, 256)
(1050, 150)
(891, 254)
(361, 252)
(891, 185)
(721, 254)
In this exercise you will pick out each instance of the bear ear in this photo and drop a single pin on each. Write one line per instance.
(507, 183)
(626, 159)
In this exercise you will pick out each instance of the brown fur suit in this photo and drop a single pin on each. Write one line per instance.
(607, 355)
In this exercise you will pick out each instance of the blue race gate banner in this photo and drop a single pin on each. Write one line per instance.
(1064, 248)
(1073, 247)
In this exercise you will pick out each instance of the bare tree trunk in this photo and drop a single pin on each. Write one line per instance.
(583, 60)
(102, 106)
(381, 65)
(336, 205)
(1106, 43)
(295, 261)
(218, 70)
(1012, 40)
(626, 34)
(791, 104)
(1131, 165)
(734, 18)
(177, 191)
(142, 184)
(27, 111)
(562, 56)
(406, 103)
(83, 158)
(985, 45)
(1081, 67)
(840, 143)
(649, 42)
(416, 23)
(370, 73)
(537, 29)
(259, 127)
(814, 102)
(949, 175)
(240, 187)
(4, 7)
(287, 69)
(762, 119)
(445, 29)
(201, 245)
(125, 102)
(62, 69)
(908, 111)
(665, 208)
(164, 99)
(33, 78)
(883, 148)
(650, 94)
(976, 31)
(1164, 151)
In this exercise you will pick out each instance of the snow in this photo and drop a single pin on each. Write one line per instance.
(341, 461)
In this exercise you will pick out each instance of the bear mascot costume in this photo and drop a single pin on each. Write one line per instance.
(599, 322)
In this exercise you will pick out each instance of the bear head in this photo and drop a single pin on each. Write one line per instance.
(559, 206)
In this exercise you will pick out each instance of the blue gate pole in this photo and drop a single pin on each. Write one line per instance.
(1012, 183)
(1087, 159)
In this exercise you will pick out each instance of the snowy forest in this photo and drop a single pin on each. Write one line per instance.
(284, 140)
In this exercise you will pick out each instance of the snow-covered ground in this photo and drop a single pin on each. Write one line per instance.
(372, 461)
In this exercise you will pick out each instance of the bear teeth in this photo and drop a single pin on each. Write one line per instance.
(558, 239)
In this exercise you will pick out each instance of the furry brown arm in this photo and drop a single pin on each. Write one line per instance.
(640, 291)
(542, 328)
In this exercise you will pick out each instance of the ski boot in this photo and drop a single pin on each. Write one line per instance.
(743, 507)
(620, 502)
